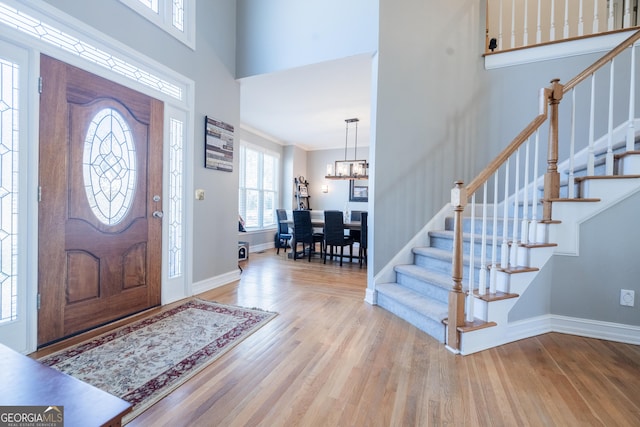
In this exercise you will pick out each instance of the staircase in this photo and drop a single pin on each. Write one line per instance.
(420, 292)
(503, 253)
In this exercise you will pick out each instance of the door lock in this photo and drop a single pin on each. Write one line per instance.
(158, 214)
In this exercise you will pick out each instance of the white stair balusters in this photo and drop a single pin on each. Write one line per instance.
(504, 255)
(631, 129)
(482, 280)
(471, 278)
(494, 239)
(572, 145)
(609, 157)
(513, 256)
(591, 160)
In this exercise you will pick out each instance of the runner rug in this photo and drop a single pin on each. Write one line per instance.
(144, 361)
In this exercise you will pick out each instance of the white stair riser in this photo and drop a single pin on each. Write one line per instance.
(605, 191)
(629, 165)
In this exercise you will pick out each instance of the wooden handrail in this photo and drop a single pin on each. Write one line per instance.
(505, 154)
(513, 145)
(601, 62)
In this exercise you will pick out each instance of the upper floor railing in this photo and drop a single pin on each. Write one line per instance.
(513, 24)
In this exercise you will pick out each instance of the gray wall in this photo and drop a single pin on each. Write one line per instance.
(432, 114)
(589, 286)
(276, 35)
(212, 67)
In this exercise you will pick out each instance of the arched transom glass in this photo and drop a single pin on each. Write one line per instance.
(109, 166)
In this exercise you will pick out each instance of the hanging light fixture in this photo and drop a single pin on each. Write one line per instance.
(349, 169)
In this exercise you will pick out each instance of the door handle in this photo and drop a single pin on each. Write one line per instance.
(158, 214)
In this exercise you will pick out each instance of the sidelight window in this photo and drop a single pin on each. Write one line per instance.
(9, 133)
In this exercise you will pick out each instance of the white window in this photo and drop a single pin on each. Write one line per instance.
(258, 187)
(176, 17)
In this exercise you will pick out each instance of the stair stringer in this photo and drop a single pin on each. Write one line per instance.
(565, 233)
(405, 255)
(498, 311)
(572, 214)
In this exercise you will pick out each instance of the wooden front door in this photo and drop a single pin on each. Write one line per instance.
(100, 172)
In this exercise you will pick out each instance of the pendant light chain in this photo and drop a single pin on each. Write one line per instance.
(346, 138)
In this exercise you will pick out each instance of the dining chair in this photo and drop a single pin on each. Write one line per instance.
(283, 235)
(303, 233)
(355, 216)
(334, 234)
(364, 227)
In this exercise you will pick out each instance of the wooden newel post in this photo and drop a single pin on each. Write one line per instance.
(456, 296)
(552, 177)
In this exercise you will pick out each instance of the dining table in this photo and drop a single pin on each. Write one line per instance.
(319, 223)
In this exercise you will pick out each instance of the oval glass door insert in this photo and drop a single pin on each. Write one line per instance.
(109, 166)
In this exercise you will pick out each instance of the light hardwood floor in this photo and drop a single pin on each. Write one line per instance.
(330, 359)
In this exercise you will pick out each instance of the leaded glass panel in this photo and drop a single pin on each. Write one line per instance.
(176, 136)
(109, 166)
(8, 191)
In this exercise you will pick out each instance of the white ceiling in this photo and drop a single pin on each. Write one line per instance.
(308, 106)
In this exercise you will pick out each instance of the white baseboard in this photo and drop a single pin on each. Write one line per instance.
(370, 296)
(261, 247)
(215, 282)
(609, 331)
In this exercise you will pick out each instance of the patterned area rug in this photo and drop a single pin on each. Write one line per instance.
(144, 361)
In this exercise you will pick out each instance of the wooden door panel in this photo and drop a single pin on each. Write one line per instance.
(99, 245)
(83, 277)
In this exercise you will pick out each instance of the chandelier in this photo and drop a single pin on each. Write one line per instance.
(349, 169)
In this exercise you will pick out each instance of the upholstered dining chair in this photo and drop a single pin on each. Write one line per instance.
(283, 236)
(303, 233)
(355, 216)
(364, 227)
(334, 235)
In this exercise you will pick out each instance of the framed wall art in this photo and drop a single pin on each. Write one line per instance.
(218, 145)
(358, 191)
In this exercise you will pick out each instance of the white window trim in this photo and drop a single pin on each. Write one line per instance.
(276, 155)
(164, 18)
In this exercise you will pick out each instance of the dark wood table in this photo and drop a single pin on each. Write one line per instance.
(319, 223)
(26, 382)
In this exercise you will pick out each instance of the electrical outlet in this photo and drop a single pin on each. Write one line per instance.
(627, 297)
(199, 194)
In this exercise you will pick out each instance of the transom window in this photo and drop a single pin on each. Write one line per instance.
(176, 17)
(258, 187)
(28, 24)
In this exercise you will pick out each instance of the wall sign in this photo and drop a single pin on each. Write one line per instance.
(218, 145)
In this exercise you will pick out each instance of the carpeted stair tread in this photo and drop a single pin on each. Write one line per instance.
(432, 277)
(444, 255)
(448, 234)
(427, 251)
(430, 308)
